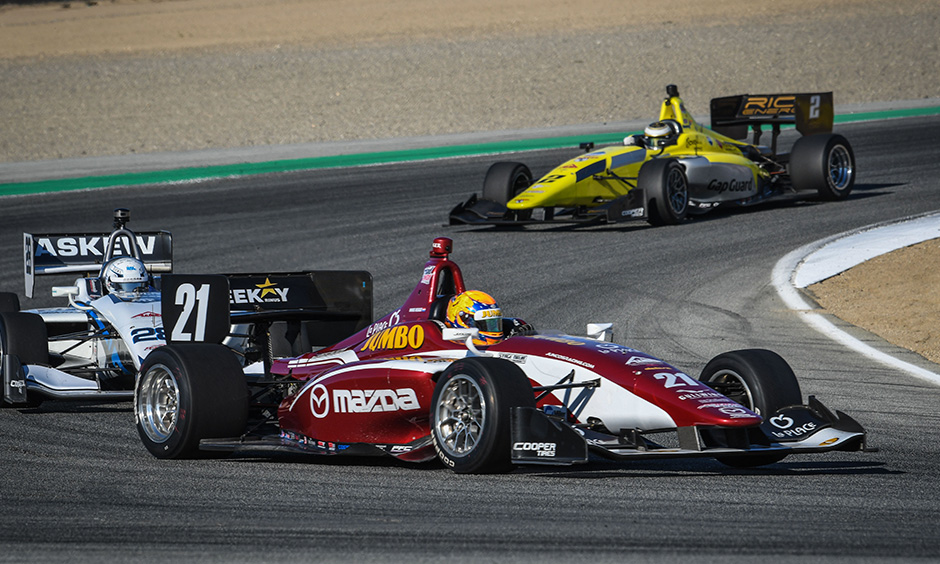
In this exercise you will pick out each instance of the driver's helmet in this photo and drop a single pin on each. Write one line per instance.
(126, 277)
(661, 134)
(475, 309)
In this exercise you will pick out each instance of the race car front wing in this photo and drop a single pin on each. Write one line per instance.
(541, 438)
(480, 211)
(18, 379)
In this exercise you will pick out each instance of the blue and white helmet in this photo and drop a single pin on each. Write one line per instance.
(126, 277)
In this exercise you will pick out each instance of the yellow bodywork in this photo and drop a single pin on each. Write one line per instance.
(600, 176)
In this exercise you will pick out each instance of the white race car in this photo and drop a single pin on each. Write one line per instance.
(92, 348)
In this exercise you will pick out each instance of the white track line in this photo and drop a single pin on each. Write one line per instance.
(832, 255)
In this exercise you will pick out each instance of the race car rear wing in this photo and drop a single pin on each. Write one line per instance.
(330, 304)
(810, 113)
(319, 294)
(85, 252)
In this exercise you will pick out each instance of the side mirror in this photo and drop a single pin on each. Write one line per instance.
(467, 336)
(459, 334)
(65, 291)
(600, 331)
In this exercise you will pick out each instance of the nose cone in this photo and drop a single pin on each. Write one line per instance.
(552, 189)
(690, 402)
(563, 185)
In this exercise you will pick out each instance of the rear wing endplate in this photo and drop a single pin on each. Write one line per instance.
(810, 113)
(85, 252)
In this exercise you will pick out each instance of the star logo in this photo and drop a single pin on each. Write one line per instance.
(267, 288)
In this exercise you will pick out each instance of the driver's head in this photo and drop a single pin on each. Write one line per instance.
(126, 277)
(475, 309)
(661, 134)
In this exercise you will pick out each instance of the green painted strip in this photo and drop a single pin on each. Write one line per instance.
(246, 169)
(888, 114)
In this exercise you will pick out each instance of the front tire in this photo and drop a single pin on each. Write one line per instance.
(23, 335)
(824, 164)
(186, 393)
(470, 414)
(666, 188)
(504, 181)
(761, 381)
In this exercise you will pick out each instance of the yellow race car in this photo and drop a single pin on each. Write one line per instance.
(679, 168)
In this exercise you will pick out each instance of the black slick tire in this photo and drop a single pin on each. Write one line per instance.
(503, 181)
(666, 188)
(189, 392)
(761, 381)
(823, 163)
(470, 412)
(9, 302)
(23, 335)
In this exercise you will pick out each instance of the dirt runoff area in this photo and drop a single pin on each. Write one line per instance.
(111, 77)
(115, 77)
(68, 27)
(895, 296)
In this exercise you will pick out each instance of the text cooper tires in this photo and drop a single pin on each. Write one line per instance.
(503, 181)
(761, 381)
(470, 413)
(824, 164)
(24, 336)
(186, 393)
(666, 188)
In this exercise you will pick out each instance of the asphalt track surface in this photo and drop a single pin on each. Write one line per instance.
(77, 484)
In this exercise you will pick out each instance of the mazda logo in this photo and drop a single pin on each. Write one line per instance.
(319, 401)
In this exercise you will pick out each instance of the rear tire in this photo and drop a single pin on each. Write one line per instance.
(666, 188)
(761, 381)
(23, 335)
(504, 181)
(470, 414)
(824, 164)
(186, 393)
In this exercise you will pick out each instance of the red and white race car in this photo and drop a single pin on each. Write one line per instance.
(480, 392)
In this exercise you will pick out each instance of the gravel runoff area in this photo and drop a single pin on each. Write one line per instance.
(115, 77)
(895, 296)
(137, 76)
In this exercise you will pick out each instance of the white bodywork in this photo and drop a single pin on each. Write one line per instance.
(124, 334)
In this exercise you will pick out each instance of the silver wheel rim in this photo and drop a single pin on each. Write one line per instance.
(840, 167)
(677, 191)
(732, 385)
(460, 415)
(158, 403)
